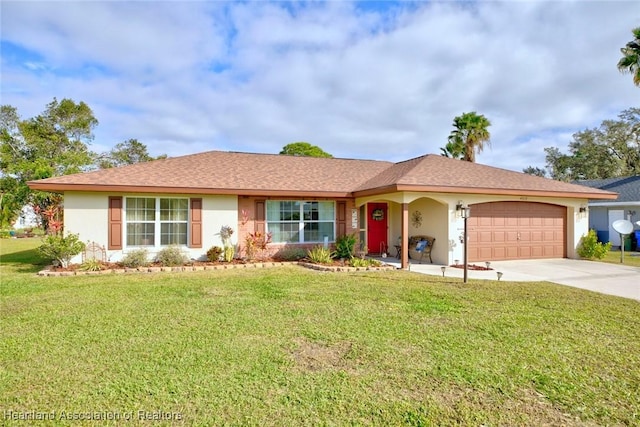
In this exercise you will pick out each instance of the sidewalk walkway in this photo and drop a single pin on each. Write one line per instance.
(606, 278)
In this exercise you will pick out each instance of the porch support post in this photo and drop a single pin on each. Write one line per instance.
(404, 264)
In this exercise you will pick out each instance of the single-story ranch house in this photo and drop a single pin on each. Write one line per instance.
(306, 201)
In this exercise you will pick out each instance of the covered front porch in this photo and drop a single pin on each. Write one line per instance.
(389, 221)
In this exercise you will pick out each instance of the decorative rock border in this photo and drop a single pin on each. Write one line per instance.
(335, 268)
(318, 267)
(50, 273)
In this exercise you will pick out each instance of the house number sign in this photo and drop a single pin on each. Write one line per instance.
(354, 218)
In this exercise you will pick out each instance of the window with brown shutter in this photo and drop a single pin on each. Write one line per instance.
(115, 223)
(341, 214)
(260, 216)
(195, 223)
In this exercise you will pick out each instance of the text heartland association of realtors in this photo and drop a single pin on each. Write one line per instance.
(91, 415)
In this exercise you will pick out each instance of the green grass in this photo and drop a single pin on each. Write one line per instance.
(631, 258)
(289, 346)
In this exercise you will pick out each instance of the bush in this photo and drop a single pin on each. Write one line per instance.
(256, 244)
(60, 248)
(213, 254)
(364, 262)
(344, 246)
(172, 256)
(136, 258)
(320, 255)
(229, 253)
(91, 265)
(590, 248)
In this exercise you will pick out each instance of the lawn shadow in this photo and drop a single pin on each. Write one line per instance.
(28, 261)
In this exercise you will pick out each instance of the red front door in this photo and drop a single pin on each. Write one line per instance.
(377, 228)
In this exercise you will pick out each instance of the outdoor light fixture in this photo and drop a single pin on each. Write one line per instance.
(466, 214)
(459, 206)
(443, 268)
(499, 273)
(488, 264)
(583, 209)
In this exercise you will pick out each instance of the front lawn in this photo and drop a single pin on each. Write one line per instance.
(631, 258)
(291, 346)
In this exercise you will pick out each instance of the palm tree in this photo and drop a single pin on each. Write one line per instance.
(630, 61)
(471, 133)
(453, 149)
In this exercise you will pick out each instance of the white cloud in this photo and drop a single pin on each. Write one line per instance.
(188, 77)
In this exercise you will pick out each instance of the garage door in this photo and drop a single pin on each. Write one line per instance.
(516, 230)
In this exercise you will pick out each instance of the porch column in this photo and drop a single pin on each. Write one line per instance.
(404, 264)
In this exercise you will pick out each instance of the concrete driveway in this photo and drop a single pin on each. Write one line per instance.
(611, 279)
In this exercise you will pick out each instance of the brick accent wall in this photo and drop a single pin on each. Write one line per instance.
(249, 221)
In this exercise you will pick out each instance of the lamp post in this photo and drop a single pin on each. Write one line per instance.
(466, 213)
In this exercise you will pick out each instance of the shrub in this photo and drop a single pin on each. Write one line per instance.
(229, 253)
(229, 250)
(172, 256)
(289, 253)
(364, 262)
(344, 246)
(91, 265)
(255, 244)
(135, 258)
(590, 248)
(320, 255)
(213, 254)
(61, 248)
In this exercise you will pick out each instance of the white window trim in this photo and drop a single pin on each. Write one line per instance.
(157, 223)
(301, 222)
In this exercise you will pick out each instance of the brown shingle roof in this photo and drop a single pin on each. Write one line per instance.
(227, 173)
(437, 173)
(219, 172)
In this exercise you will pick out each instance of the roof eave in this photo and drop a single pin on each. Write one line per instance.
(495, 191)
(97, 188)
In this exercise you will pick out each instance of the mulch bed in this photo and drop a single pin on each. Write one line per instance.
(114, 268)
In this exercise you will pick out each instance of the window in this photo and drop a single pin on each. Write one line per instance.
(292, 221)
(148, 218)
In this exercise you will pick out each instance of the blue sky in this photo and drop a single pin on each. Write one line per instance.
(372, 80)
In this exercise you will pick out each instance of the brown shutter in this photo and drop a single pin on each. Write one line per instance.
(341, 215)
(115, 223)
(260, 217)
(195, 223)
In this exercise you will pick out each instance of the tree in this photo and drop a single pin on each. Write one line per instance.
(611, 150)
(126, 153)
(304, 149)
(453, 149)
(630, 61)
(471, 133)
(535, 171)
(51, 144)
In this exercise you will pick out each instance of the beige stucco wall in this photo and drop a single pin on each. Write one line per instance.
(87, 215)
(440, 220)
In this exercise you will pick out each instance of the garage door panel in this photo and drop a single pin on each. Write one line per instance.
(512, 252)
(498, 236)
(512, 237)
(513, 230)
(498, 253)
(484, 221)
(524, 252)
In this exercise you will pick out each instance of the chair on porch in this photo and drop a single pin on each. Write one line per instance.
(421, 246)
